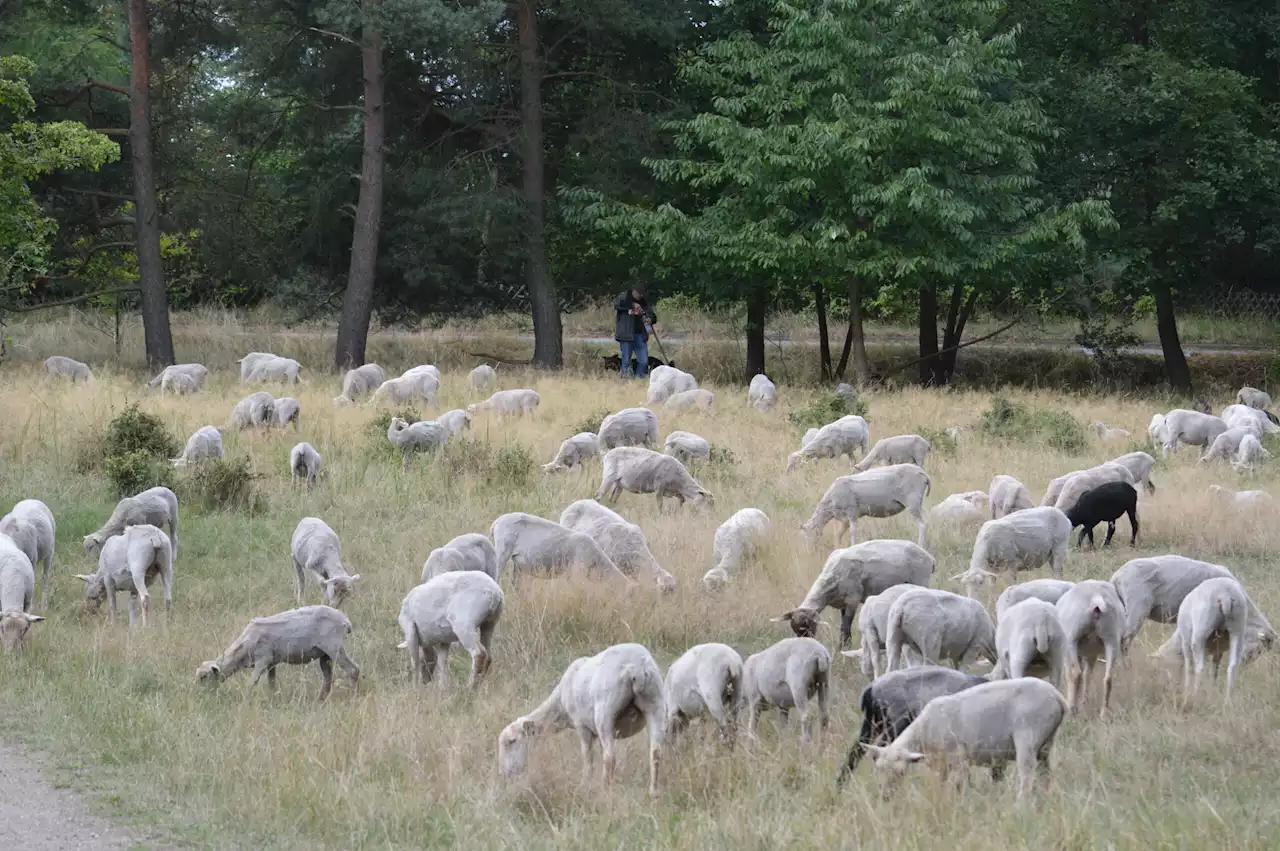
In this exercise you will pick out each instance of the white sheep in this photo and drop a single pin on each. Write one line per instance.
(900, 449)
(1093, 619)
(687, 447)
(787, 676)
(621, 541)
(276, 369)
(31, 527)
(737, 541)
(455, 422)
(808, 437)
(1023, 540)
(1030, 641)
(1243, 416)
(156, 506)
(639, 470)
(665, 381)
(1226, 445)
(424, 369)
(255, 410)
(1249, 455)
(1213, 617)
(882, 492)
(1048, 590)
(130, 562)
(1190, 427)
(419, 388)
(628, 427)
(287, 410)
(204, 444)
(842, 437)
(250, 362)
(481, 378)
(707, 679)
(1088, 479)
(465, 552)
(180, 377)
(462, 606)
(1007, 495)
(762, 394)
(1254, 398)
(873, 630)
(425, 436)
(960, 507)
(358, 382)
(1139, 465)
(534, 544)
(304, 463)
(1155, 430)
(698, 398)
(574, 452)
(1109, 435)
(64, 367)
(17, 591)
(1241, 499)
(293, 637)
(939, 626)
(612, 695)
(316, 551)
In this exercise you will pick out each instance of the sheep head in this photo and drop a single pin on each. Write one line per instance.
(338, 589)
(513, 746)
(209, 673)
(92, 544)
(715, 579)
(95, 591)
(804, 622)
(13, 629)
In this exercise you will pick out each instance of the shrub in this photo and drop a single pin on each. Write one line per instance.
(1006, 420)
(510, 466)
(131, 472)
(827, 409)
(514, 465)
(134, 431)
(591, 422)
(940, 442)
(722, 456)
(223, 484)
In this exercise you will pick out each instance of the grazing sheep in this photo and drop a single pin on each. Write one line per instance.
(1105, 503)
(666, 381)
(882, 492)
(893, 701)
(253, 411)
(787, 675)
(1030, 642)
(1254, 398)
(17, 590)
(1109, 435)
(304, 463)
(316, 551)
(155, 506)
(461, 606)
(276, 369)
(612, 695)
(574, 452)
(1066, 489)
(853, 574)
(762, 394)
(706, 678)
(842, 437)
(639, 470)
(873, 631)
(420, 387)
(1023, 540)
(1155, 431)
(287, 410)
(1243, 415)
(1249, 454)
(471, 551)
(481, 378)
(989, 724)
(628, 427)
(1213, 617)
(687, 447)
(426, 436)
(358, 382)
(1093, 620)
(960, 507)
(506, 403)
(624, 543)
(1226, 445)
(689, 399)
(533, 543)
(939, 626)
(902, 449)
(1139, 465)
(1007, 495)
(808, 437)
(736, 543)
(31, 527)
(130, 562)
(424, 369)
(181, 378)
(455, 422)
(1048, 590)
(205, 443)
(64, 367)
(250, 362)
(1190, 427)
(293, 637)
(1241, 499)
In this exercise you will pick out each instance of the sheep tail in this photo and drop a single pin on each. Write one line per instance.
(1099, 607)
(1043, 641)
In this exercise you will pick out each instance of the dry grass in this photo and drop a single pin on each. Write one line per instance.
(397, 766)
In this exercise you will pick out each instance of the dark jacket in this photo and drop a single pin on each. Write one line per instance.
(628, 327)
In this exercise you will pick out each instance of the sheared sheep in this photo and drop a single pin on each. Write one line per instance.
(808, 437)
(424, 369)
(506, 403)
(628, 427)
(687, 447)
(665, 381)
(130, 562)
(1155, 431)
(316, 551)
(1007, 495)
(1190, 427)
(304, 463)
(1249, 455)
(481, 378)
(736, 543)
(204, 444)
(1226, 445)
(1030, 642)
(276, 369)
(31, 526)
(706, 678)
(1066, 489)
(873, 631)
(1093, 620)
(882, 492)
(1243, 415)
(419, 388)
(426, 436)
(1139, 465)
(1105, 503)
(465, 552)
(787, 675)
(253, 411)
(249, 363)
(902, 449)
(762, 394)
(1023, 540)
(624, 543)
(155, 506)
(1109, 435)
(534, 544)
(181, 378)
(359, 382)
(1241, 499)
(939, 626)
(1213, 617)
(17, 591)
(690, 399)
(1048, 590)
(64, 367)
(455, 422)
(1254, 398)
(639, 470)
(461, 606)
(287, 410)
(960, 507)
(842, 437)
(574, 452)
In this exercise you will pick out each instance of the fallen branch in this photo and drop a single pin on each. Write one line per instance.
(955, 348)
(500, 360)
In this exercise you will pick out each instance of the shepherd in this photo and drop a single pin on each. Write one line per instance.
(631, 332)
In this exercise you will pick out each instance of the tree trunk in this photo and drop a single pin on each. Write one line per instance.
(357, 304)
(548, 345)
(1175, 361)
(855, 340)
(155, 302)
(928, 333)
(956, 321)
(824, 344)
(757, 307)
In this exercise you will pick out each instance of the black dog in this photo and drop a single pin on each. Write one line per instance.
(614, 362)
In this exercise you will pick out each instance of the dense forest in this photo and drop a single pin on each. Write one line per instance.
(935, 159)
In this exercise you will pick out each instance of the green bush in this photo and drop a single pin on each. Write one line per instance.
(1006, 420)
(510, 466)
(223, 485)
(513, 466)
(591, 422)
(940, 442)
(722, 456)
(827, 409)
(134, 431)
(131, 472)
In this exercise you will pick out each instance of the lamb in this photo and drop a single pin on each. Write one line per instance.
(736, 543)
(1023, 540)
(787, 675)
(1108, 435)
(853, 574)
(665, 381)
(181, 377)
(532, 543)
(762, 394)
(1030, 638)
(1066, 489)
(1139, 465)
(902, 449)
(482, 378)
(1243, 415)
(842, 437)
(574, 452)
(1249, 455)
(276, 369)
(960, 507)
(1241, 499)
(455, 422)
(687, 447)
(639, 470)
(1227, 444)
(426, 436)
(706, 678)
(255, 410)
(939, 625)
(882, 492)
(1213, 617)
(893, 701)
(628, 427)
(461, 606)
(293, 637)
(689, 399)
(17, 590)
(250, 362)
(1105, 502)
(506, 403)
(304, 463)
(1007, 495)
(407, 389)
(1093, 620)
(1155, 430)
(989, 724)
(1254, 398)
(465, 552)
(358, 382)
(624, 543)
(287, 410)
(1048, 590)
(30, 525)
(64, 367)
(204, 444)
(316, 550)
(612, 695)
(873, 630)
(130, 562)
(1190, 427)
(155, 506)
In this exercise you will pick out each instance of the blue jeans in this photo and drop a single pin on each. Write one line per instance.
(641, 348)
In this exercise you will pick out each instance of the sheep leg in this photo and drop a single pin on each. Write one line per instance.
(753, 720)
(1108, 662)
(846, 624)
(1233, 661)
(657, 734)
(349, 667)
(1026, 759)
(717, 710)
(1197, 651)
(806, 716)
(48, 566)
(166, 581)
(441, 656)
(850, 526)
(298, 582)
(1111, 530)
(1133, 527)
(145, 607)
(260, 669)
(1042, 768)
(480, 661)
(271, 678)
(823, 717)
(326, 672)
(609, 754)
(586, 743)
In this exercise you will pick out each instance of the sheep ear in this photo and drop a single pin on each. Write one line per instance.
(526, 726)
(85, 576)
(354, 577)
(852, 654)
(784, 618)
(958, 576)
(912, 756)
(402, 645)
(873, 751)
(34, 618)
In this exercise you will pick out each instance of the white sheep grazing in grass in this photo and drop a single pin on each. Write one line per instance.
(842, 437)
(287, 410)
(612, 695)
(1007, 495)
(762, 394)
(180, 378)
(882, 492)
(293, 637)
(455, 422)
(419, 388)
(706, 679)
(535, 544)
(737, 541)
(276, 369)
(621, 541)
(855, 573)
(808, 437)
(639, 470)
(156, 506)
(1048, 590)
(939, 626)
(628, 427)
(31, 527)
(687, 447)
(1249, 417)
(1088, 479)
(426, 436)
(665, 381)
(900, 449)
(787, 676)
(1212, 618)
(1249, 455)
(1093, 619)
(461, 606)
(424, 369)
(1225, 445)
(698, 398)
(1023, 540)
(204, 444)
(574, 452)
(960, 507)
(17, 591)
(1241, 499)
(304, 463)
(1190, 427)
(130, 562)
(253, 411)
(359, 382)
(873, 631)
(316, 551)
(507, 403)
(249, 363)
(471, 551)
(990, 724)
(64, 367)
(1030, 641)
(1254, 398)
(1109, 435)
(1139, 465)
(481, 378)
(1155, 430)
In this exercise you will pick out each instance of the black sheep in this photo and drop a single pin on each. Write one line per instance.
(1105, 503)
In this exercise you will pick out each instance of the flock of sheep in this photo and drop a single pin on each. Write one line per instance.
(1047, 635)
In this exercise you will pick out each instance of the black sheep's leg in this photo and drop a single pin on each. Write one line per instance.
(1111, 530)
(1133, 525)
